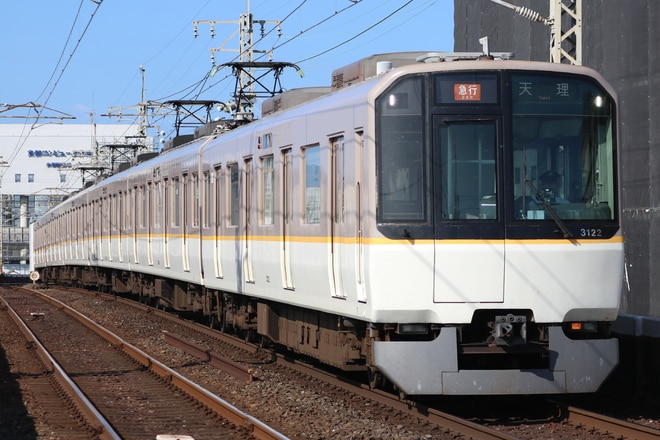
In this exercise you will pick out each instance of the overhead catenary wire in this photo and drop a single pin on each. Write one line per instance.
(23, 139)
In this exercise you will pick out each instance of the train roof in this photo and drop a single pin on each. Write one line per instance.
(364, 69)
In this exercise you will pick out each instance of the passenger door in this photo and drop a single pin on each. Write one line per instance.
(469, 232)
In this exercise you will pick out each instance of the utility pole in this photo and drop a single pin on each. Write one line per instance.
(565, 22)
(142, 114)
(566, 44)
(244, 68)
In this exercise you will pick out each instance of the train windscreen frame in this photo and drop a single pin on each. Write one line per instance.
(553, 125)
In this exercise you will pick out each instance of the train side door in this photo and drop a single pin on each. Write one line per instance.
(167, 203)
(185, 224)
(287, 217)
(218, 220)
(247, 205)
(134, 224)
(469, 232)
(148, 218)
(337, 230)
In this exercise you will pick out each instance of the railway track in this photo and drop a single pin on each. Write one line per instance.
(614, 427)
(429, 419)
(39, 381)
(137, 395)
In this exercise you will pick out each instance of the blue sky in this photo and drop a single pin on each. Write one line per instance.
(79, 57)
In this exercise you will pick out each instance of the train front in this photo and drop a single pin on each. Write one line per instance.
(496, 259)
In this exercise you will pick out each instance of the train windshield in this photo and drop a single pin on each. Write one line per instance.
(500, 150)
(562, 142)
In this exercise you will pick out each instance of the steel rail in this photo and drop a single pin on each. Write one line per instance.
(214, 359)
(87, 409)
(615, 427)
(220, 406)
(454, 423)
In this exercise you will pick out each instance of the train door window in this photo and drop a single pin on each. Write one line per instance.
(111, 213)
(176, 202)
(207, 197)
(337, 173)
(267, 191)
(130, 209)
(196, 207)
(144, 209)
(218, 198)
(119, 212)
(97, 212)
(234, 198)
(467, 170)
(248, 191)
(158, 200)
(184, 201)
(312, 184)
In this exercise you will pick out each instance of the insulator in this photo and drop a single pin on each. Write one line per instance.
(530, 14)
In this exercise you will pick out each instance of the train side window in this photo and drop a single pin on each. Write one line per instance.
(267, 191)
(312, 184)
(234, 198)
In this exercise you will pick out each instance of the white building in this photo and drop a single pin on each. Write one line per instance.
(39, 166)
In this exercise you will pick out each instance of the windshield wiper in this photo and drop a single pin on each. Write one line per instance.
(558, 221)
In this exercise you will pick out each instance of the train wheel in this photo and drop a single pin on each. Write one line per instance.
(376, 379)
(213, 321)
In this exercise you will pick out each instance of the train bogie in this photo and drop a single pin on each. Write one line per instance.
(401, 226)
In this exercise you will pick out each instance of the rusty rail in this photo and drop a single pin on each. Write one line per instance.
(223, 363)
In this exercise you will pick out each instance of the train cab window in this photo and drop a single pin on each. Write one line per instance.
(267, 191)
(400, 153)
(563, 145)
(312, 184)
(234, 194)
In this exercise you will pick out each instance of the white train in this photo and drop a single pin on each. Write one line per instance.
(402, 223)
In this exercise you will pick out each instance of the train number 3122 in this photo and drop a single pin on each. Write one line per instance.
(591, 232)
